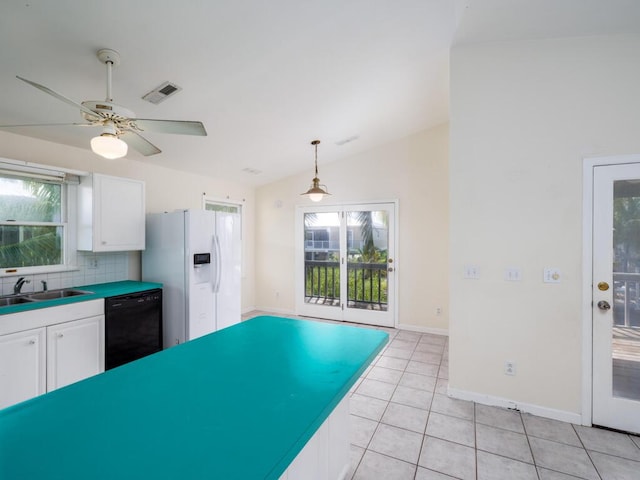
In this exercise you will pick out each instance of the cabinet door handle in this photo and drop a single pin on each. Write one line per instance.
(32, 342)
(60, 335)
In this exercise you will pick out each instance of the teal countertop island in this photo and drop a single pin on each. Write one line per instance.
(239, 403)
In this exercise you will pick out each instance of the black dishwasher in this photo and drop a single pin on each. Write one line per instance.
(133, 326)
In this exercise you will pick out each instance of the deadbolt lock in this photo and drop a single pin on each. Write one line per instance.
(603, 286)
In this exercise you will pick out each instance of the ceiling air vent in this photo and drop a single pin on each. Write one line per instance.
(162, 92)
(344, 141)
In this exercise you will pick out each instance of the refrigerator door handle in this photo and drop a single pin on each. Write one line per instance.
(218, 269)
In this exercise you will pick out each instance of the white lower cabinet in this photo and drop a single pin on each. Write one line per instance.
(22, 366)
(326, 454)
(75, 350)
(62, 345)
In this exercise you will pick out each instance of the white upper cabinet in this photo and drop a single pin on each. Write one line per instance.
(111, 214)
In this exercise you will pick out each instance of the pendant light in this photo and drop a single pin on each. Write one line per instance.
(316, 192)
(108, 145)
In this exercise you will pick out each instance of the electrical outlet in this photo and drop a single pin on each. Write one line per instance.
(509, 367)
(93, 263)
(552, 275)
(438, 310)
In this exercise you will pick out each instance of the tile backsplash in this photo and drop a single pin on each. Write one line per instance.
(92, 268)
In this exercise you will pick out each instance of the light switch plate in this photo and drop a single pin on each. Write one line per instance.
(471, 272)
(513, 274)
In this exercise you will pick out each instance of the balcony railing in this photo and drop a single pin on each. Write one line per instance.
(366, 287)
(626, 299)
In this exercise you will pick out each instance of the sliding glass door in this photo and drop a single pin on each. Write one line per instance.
(346, 263)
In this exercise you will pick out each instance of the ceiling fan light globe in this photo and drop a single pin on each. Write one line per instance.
(109, 146)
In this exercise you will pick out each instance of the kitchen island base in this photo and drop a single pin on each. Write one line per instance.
(266, 399)
(326, 454)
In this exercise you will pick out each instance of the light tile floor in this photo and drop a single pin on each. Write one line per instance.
(405, 427)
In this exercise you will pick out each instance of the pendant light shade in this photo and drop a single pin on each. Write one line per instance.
(108, 145)
(317, 191)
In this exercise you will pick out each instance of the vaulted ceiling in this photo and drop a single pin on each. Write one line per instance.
(265, 78)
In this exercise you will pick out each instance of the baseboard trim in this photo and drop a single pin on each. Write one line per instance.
(420, 329)
(410, 328)
(278, 311)
(494, 401)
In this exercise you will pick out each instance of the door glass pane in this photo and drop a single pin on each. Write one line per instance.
(322, 258)
(367, 243)
(626, 289)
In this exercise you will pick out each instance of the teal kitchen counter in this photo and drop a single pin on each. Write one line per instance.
(99, 290)
(239, 403)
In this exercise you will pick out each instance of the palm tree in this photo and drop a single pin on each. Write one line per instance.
(31, 245)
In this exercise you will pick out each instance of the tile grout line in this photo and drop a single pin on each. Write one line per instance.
(426, 425)
(388, 402)
(387, 406)
(586, 451)
(526, 435)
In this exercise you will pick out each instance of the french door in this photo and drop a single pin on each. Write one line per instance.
(616, 296)
(345, 263)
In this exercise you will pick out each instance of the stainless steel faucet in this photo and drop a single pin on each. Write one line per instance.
(18, 286)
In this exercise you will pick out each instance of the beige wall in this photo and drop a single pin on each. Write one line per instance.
(414, 172)
(523, 116)
(166, 189)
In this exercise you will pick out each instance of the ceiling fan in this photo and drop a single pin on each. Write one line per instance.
(118, 123)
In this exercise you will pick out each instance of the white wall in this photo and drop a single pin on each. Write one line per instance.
(523, 116)
(166, 189)
(413, 171)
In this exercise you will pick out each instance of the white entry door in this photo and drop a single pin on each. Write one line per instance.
(616, 296)
(346, 263)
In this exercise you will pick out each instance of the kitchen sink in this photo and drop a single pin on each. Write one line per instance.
(53, 294)
(9, 300)
(13, 300)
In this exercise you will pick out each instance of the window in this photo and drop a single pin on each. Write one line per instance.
(222, 207)
(33, 220)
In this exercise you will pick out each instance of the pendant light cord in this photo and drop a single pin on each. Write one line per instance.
(315, 144)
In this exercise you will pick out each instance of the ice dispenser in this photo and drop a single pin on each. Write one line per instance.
(202, 267)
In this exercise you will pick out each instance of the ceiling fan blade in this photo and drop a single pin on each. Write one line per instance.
(179, 127)
(51, 125)
(66, 100)
(139, 143)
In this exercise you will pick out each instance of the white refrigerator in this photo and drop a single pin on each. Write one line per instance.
(196, 255)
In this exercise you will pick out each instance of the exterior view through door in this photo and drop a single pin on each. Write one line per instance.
(616, 296)
(345, 263)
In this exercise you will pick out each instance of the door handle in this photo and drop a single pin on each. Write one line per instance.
(604, 305)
